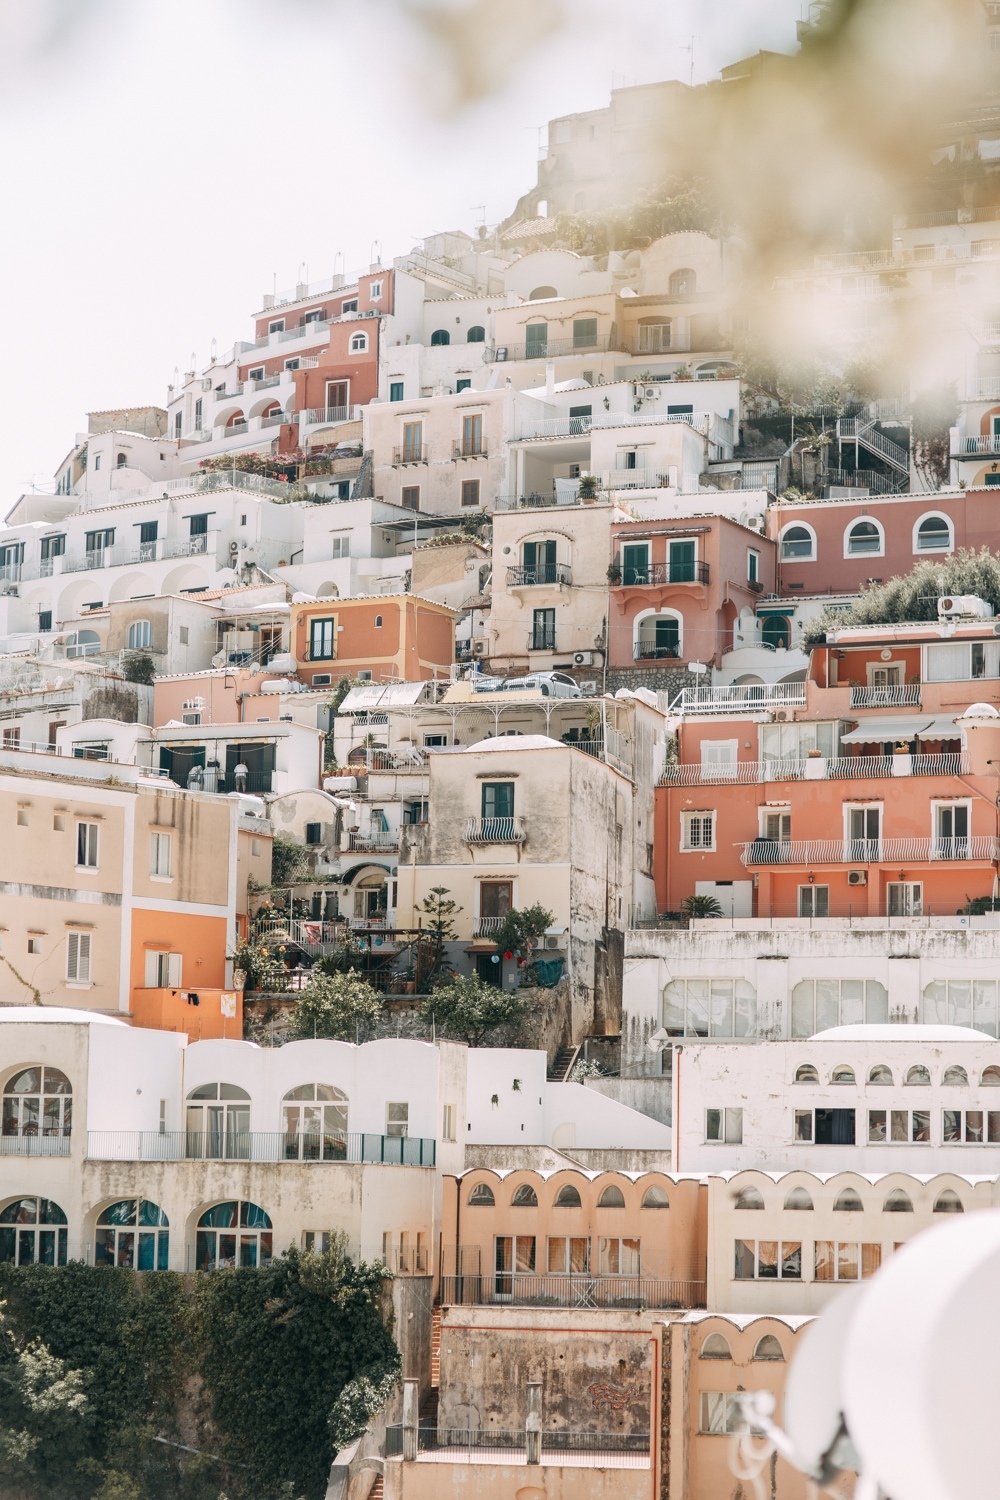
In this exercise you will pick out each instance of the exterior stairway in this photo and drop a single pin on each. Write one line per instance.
(863, 432)
(562, 1064)
(375, 1493)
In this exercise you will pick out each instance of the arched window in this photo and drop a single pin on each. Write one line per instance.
(897, 1202)
(218, 1122)
(140, 635)
(880, 1074)
(948, 1202)
(933, 534)
(658, 636)
(749, 1198)
(688, 1003)
(918, 1077)
(524, 1197)
(476, 334)
(38, 1101)
(798, 543)
(542, 291)
(819, 1004)
(314, 1122)
(232, 1234)
(481, 1196)
(378, 622)
(612, 1197)
(32, 1232)
(568, 1197)
(121, 462)
(655, 1197)
(683, 283)
(768, 1348)
(132, 1233)
(848, 1202)
(991, 1076)
(440, 336)
(863, 537)
(359, 343)
(959, 1002)
(776, 631)
(799, 1198)
(806, 1073)
(843, 1074)
(83, 643)
(956, 1076)
(716, 1346)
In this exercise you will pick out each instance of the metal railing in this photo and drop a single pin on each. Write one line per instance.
(897, 695)
(494, 831)
(522, 577)
(549, 427)
(416, 454)
(650, 651)
(410, 759)
(661, 573)
(315, 327)
(373, 842)
(259, 1146)
(487, 926)
(743, 697)
(820, 768)
(989, 444)
(469, 450)
(265, 382)
(35, 1145)
(523, 1290)
(276, 418)
(555, 349)
(330, 415)
(759, 475)
(637, 479)
(868, 851)
(495, 1445)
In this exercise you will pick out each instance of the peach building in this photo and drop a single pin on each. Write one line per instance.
(396, 637)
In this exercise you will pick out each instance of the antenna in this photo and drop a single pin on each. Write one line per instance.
(689, 48)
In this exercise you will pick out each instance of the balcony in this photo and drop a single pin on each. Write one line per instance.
(555, 349)
(490, 1445)
(870, 851)
(637, 479)
(972, 445)
(545, 573)
(329, 416)
(660, 574)
(259, 1146)
(414, 454)
(521, 1290)
(897, 695)
(408, 758)
(754, 697)
(374, 843)
(816, 768)
(650, 651)
(487, 927)
(468, 450)
(265, 382)
(494, 831)
(35, 1145)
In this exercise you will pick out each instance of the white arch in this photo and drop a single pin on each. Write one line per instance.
(224, 414)
(852, 526)
(659, 614)
(127, 585)
(359, 343)
(933, 515)
(187, 576)
(797, 557)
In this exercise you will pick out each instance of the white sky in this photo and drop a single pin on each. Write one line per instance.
(161, 162)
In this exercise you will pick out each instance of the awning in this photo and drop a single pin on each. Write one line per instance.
(898, 728)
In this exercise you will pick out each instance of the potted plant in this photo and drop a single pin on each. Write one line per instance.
(615, 573)
(588, 487)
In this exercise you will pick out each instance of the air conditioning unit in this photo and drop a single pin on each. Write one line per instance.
(651, 393)
(554, 940)
(963, 606)
(481, 646)
(857, 877)
(234, 547)
(583, 658)
(322, 679)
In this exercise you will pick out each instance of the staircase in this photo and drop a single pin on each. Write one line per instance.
(436, 1345)
(862, 432)
(375, 1493)
(562, 1064)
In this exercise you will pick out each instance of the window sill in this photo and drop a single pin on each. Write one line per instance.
(87, 869)
(79, 984)
(162, 879)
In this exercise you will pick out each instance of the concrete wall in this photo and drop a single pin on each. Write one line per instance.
(425, 1479)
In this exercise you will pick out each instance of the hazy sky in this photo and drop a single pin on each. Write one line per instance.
(162, 162)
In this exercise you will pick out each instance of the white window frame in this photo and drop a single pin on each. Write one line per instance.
(398, 1124)
(789, 525)
(779, 1265)
(686, 846)
(933, 515)
(257, 373)
(722, 760)
(163, 970)
(811, 890)
(781, 810)
(908, 1138)
(853, 807)
(79, 957)
(870, 521)
(87, 844)
(145, 628)
(604, 1243)
(276, 325)
(937, 806)
(375, 291)
(990, 1127)
(753, 565)
(358, 343)
(160, 852)
(724, 1126)
(915, 903)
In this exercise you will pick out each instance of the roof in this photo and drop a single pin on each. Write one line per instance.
(742, 1321)
(383, 695)
(507, 742)
(901, 1033)
(60, 1013)
(897, 728)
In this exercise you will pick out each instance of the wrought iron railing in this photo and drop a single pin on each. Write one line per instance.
(868, 851)
(841, 768)
(35, 1145)
(260, 1146)
(524, 1290)
(495, 831)
(895, 695)
(523, 577)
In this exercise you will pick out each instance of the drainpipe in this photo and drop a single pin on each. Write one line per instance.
(533, 1424)
(675, 1111)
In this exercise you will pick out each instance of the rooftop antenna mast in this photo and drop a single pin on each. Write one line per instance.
(689, 48)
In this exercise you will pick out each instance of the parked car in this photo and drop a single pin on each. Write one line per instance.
(550, 684)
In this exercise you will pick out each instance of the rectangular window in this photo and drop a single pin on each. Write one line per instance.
(53, 546)
(410, 496)
(277, 325)
(314, 833)
(718, 759)
(463, 385)
(904, 898)
(776, 826)
(97, 541)
(584, 333)
(351, 305)
(191, 718)
(724, 1126)
(697, 830)
(753, 566)
(78, 957)
(86, 845)
(495, 899)
(568, 1256)
(178, 424)
(198, 408)
(830, 1127)
(970, 1127)
(617, 1257)
(395, 390)
(543, 630)
(840, 1262)
(12, 737)
(44, 620)
(864, 833)
(767, 1260)
(292, 364)
(341, 546)
(951, 830)
(814, 900)
(719, 1413)
(448, 1122)
(198, 525)
(164, 970)
(374, 291)
(322, 639)
(470, 492)
(257, 373)
(415, 812)
(899, 1126)
(536, 340)
(397, 1119)
(159, 854)
(472, 435)
(413, 437)
(498, 799)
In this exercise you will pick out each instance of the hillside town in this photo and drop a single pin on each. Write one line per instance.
(631, 864)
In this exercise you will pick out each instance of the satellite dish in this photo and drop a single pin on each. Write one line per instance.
(814, 1400)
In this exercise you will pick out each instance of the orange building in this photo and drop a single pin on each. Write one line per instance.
(391, 638)
(868, 790)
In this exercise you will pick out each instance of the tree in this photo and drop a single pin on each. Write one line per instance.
(290, 862)
(336, 1007)
(263, 967)
(914, 595)
(469, 1009)
(45, 1418)
(934, 413)
(140, 669)
(440, 911)
(701, 906)
(520, 929)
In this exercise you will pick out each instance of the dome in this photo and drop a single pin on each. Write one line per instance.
(901, 1032)
(980, 711)
(61, 1013)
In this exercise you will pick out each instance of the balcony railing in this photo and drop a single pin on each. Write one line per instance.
(373, 842)
(494, 831)
(661, 573)
(408, 759)
(259, 1146)
(265, 382)
(989, 444)
(554, 573)
(556, 349)
(869, 851)
(329, 416)
(741, 698)
(650, 651)
(637, 479)
(487, 926)
(521, 1290)
(276, 418)
(490, 1445)
(469, 450)
(314, 328)
(416, 454)
(35, 1145)
(817, 768)
(898, 695)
